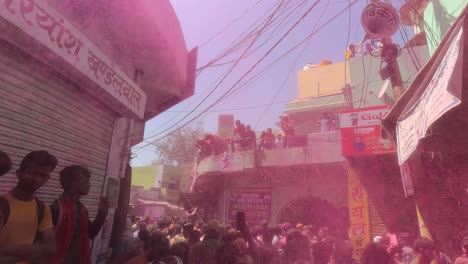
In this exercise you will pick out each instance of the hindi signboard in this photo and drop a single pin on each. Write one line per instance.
(46, 25)
(362, 134)
(256, 203)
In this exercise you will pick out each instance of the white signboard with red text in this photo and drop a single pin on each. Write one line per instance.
(361, 132)
(43, 23)
(434, 102)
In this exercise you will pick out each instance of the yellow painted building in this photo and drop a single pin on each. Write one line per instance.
(322, 79)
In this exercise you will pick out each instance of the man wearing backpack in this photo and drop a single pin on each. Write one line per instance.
(26, 231)
(70, 217)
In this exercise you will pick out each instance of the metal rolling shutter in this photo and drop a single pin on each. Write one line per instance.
(41, 110)
(378, 227)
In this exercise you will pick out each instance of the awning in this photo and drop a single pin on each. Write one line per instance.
(436, 90)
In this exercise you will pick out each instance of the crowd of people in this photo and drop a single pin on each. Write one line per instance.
(168, 242)
(33, 232)
(405, 250)
(211, 144)
(244, 138)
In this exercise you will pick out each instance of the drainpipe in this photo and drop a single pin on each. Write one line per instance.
(126, 151)
(121, 212)
(120, 216)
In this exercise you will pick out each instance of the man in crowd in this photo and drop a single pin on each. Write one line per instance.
(342, 248)
(203, 149)
(239, 135)
(464, 258)
(207, 251)
(376, 252)
(287, 127)
(324, 248)
(191, 235)
(160, 250)
(239, 131)
(425, 251)
(325, 122)
(250, 137)
(296, 249)
(267, 140)
(26, 231)
(279, 141)
(406, 252)
(5, 163)
(216, 143)
(267, 253)
(72, 226)
(276, 242)
(177, 236)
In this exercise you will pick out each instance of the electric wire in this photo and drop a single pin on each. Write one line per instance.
(371, 79)
(279, 58)
(230, 24)
(226, 74)
(268, 38)
(248, 72)
(207, 90)
(403, 34)
(291, 69)
(431, 37)
(301, 42)
(237, 44)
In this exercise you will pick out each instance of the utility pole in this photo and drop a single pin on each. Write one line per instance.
(381, 21)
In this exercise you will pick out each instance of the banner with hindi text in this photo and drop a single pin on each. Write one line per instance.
(358, 215)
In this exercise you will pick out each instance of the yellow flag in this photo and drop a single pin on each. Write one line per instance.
(423, 231)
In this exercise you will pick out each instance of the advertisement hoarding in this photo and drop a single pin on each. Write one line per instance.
(362, 134)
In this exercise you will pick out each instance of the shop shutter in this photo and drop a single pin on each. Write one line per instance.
(42, 110)
(377, 225)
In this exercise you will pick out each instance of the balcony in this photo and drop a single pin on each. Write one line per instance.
(317, 148)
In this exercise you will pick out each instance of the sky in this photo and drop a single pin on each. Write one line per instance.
(212, 25)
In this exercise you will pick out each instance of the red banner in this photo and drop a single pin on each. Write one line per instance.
(362, 134)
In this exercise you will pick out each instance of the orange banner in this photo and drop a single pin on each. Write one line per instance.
(358, 215)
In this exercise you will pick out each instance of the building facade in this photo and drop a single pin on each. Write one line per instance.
(429, 127)
(319, 179)
(77, 81)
